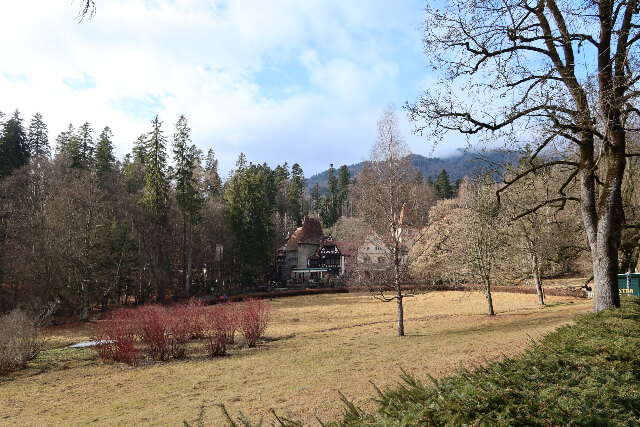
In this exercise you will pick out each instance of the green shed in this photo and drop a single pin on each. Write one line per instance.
(629, 284)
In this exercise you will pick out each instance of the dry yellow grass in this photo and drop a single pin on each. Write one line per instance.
(316, 346)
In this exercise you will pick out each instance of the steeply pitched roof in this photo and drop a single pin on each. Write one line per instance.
(347, 247)
(309, 233)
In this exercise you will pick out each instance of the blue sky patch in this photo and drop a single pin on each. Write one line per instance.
(84, 82)
(144, 107)
(281, 81)
(15, 78)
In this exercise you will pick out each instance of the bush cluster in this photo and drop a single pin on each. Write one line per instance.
(164, 333)
(20, 340)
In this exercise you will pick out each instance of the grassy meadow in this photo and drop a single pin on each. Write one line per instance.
(315, 346)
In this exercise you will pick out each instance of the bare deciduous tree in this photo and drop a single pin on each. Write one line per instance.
(386, 199)
(545, 237)
(562, 69)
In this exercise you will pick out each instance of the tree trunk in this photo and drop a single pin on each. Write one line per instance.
(487, 292)
(185, 280)
(537, 280)
(188, 276)
(84, 309)
(399, 296)
(605, 278)
(603, 222)
(400, 315)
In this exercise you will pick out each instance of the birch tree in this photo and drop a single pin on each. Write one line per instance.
(382, 194)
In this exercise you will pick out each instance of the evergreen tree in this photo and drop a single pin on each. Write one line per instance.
(248, 214)
(330, 213)
(186, 158)
(241, 163)
(294, 194)
(38, 138)
(316, 197)
(344, 180)
(63, 140)
(155, 199)
(188, 196)
(105, 159)
(443, 186)
(139, 152)
(429, 182)
(85, 145)
(456, 187)
(213, 182)
(14, 148)
(156, 187)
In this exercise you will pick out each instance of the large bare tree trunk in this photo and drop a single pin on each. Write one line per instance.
(537, 280)
(604, 220)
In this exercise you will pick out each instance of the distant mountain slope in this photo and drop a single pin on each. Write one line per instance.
(465, 164)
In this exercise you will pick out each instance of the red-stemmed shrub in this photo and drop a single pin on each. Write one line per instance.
(116, 337)
(154, 321)
(219, 326)
(230, 312)
(253, 317)
(192, 316)
(180, 331)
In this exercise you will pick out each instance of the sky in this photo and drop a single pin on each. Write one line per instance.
(279, 80)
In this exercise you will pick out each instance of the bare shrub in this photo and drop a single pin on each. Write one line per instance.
(253, 317)
(20, 340)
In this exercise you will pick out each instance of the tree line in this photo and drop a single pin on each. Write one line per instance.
(80, 229)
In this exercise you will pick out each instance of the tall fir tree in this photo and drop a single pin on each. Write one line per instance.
(330, 213)
(443, 187)
(213, 182)
(155, 200)
(316, 199)
(188, 195)
(63, 140)
(344, 180)
(186, 158)
(14, 148)
(155, 196)
(38, 137)
(248, 214)
(85, 145)
(104, 158)
(139, 152)
(294, 194)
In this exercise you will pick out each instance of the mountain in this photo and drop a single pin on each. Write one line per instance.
(465, 164)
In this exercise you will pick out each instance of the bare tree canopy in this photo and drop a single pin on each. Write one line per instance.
(87, 9)
(552, 74)
(390, 200)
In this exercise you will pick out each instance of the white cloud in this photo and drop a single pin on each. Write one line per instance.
(202, 59)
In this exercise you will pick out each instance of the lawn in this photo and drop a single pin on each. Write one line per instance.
(316, 346)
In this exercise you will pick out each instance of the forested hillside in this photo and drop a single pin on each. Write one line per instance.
(464, 163)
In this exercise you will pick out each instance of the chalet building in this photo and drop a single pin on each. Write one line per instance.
(308, 254)
(334, 256)
(300, 246)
